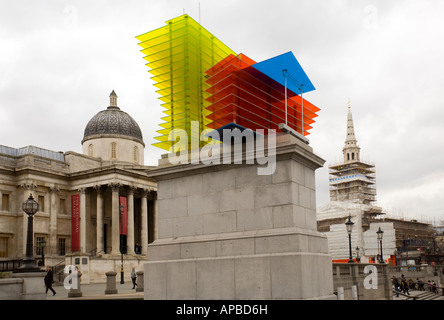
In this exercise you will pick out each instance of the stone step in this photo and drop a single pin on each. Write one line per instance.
(428, 296)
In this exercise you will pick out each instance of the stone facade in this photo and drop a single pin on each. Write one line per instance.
(53, 178)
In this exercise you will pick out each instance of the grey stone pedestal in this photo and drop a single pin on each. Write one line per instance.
(140, 286)
(75, 290)
(111, 283)
(225, 232)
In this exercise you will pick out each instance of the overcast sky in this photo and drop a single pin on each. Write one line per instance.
(59, 61)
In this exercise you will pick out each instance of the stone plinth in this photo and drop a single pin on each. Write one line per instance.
(75, 291)
(139, 287)
(225, 232)
(111, 283)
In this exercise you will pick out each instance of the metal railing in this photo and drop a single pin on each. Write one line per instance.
(10, 264)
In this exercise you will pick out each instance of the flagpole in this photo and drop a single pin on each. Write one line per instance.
(302, 110)
(285, 79)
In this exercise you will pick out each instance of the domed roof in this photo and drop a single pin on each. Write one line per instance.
(113, 122)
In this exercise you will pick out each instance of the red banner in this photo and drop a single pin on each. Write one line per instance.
(123, 215)
(75, 222)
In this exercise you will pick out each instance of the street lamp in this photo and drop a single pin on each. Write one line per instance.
(30, 207)
(380, 233)
(349, 226)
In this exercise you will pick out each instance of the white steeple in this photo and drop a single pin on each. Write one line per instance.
(351, 148)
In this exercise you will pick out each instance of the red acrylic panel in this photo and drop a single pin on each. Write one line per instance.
(244, 96)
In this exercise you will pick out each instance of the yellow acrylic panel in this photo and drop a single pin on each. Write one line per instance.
(177, 55)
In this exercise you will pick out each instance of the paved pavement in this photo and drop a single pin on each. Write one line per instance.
(125, 292)
(96, 292)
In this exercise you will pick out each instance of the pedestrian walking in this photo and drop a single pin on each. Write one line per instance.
(134, 277)
(49, 280)
(434, 287)
(420, 284)
(396, 285)
(405, 285)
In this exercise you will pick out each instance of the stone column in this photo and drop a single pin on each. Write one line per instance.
(99, 236)
(82, 219)
(144, 222)
(115, 231)
(130, 235)
(52, 247)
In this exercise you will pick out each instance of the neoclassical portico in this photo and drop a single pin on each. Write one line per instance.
(101, 218)
(115, 138)
(81, 199)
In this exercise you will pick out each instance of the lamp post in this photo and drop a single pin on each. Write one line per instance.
(43, 244)
(30, 207)
(380, 233)
(349, 226)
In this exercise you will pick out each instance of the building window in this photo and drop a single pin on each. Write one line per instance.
(5, 202)
(62, 209)
(113, 150)
(353, 156)
(38, 243)
(41, 201)
(348, 156)
(61, 246)
(4, 247)
(91, 150)
(136, 154)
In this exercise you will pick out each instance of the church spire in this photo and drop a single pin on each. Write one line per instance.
(351, 149)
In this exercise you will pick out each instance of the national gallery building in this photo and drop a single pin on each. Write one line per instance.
(93, 206)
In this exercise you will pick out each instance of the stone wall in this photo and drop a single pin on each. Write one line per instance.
(23, 286)
(11, 289)
(370, 285)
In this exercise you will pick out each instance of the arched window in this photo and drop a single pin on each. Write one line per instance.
(113, 150)
(91, 150)
(348, 156)
(353, 156)
(136, 154)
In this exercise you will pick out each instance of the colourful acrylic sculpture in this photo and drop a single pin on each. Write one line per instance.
(178, 55)
(201, 79)
(244, 97)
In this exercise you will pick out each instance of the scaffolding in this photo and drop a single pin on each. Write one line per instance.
(353, 181)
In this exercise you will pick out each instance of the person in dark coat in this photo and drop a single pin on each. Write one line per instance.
(49, 280)
(396, 285)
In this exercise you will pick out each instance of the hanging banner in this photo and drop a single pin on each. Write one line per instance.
(75, 222)
(123, 215)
